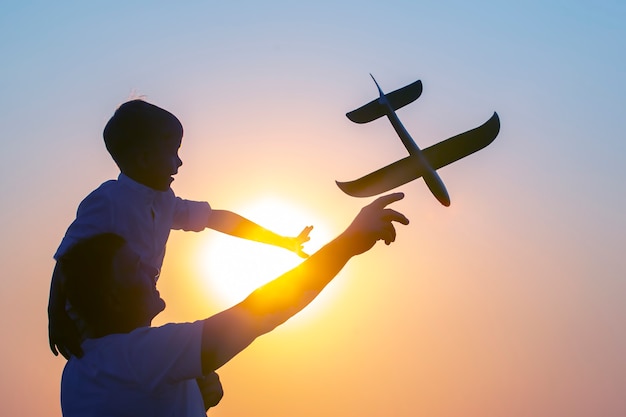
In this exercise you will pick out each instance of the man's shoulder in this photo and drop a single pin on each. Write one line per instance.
(146, 341)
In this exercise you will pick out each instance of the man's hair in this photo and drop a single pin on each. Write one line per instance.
(135, 126)
(87, 269)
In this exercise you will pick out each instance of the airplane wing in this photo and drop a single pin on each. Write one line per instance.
(459, 146)
(397, 99)
(384, 179)
(410, 168)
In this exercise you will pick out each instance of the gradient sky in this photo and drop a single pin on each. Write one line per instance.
(508, 303)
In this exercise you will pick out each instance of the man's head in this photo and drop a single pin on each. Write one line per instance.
(109, 286)
(143, 140)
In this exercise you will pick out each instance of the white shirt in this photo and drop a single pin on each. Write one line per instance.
(142, 215)
(148, 372)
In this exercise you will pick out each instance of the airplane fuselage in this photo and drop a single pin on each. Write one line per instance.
(431, 178)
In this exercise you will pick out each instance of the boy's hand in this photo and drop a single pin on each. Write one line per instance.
(294, 244)
(63, 334)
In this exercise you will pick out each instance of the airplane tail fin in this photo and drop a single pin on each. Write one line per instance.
(397, 99)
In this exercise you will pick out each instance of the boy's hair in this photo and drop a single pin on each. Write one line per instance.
(135, 126)
(87, 268)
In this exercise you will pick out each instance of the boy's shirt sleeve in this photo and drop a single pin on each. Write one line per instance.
(94, 216)
(191, 215)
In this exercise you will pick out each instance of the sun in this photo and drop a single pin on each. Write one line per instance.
(234, 267)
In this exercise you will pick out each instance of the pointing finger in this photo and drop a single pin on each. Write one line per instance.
(387, 199)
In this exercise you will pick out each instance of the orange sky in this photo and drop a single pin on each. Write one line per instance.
(507, 303)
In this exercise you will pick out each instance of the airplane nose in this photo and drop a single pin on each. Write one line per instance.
(443, 197)
(441, 194)
(437, 188)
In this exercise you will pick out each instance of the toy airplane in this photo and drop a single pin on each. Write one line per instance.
(419, 163)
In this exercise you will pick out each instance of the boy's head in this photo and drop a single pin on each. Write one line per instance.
(143, 140)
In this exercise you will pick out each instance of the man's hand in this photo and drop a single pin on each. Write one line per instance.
(211, 389)
(374, 222)
(294, 244)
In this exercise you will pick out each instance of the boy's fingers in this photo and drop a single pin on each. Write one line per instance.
(304, 234)
(64, 352)
(54, 349)
(300, 252)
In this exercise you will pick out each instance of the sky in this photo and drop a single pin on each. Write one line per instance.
(507, 303)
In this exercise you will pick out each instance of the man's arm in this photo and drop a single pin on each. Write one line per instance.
(229, 332)
(236, 225)
(63, 334)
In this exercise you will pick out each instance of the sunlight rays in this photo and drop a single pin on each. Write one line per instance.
(235, 267)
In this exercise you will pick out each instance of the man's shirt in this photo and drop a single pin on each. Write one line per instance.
(150, 371)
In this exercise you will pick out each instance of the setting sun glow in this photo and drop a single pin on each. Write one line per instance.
(235, 267)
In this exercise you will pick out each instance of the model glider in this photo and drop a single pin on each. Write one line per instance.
(419, 163)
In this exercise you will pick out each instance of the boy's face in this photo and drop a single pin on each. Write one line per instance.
(161, 163)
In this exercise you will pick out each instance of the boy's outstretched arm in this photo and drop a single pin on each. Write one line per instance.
(63, 334)
(229, 332)
(233, 224)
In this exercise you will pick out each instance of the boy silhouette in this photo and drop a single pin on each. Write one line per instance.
(132, 369)
(140, 206)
